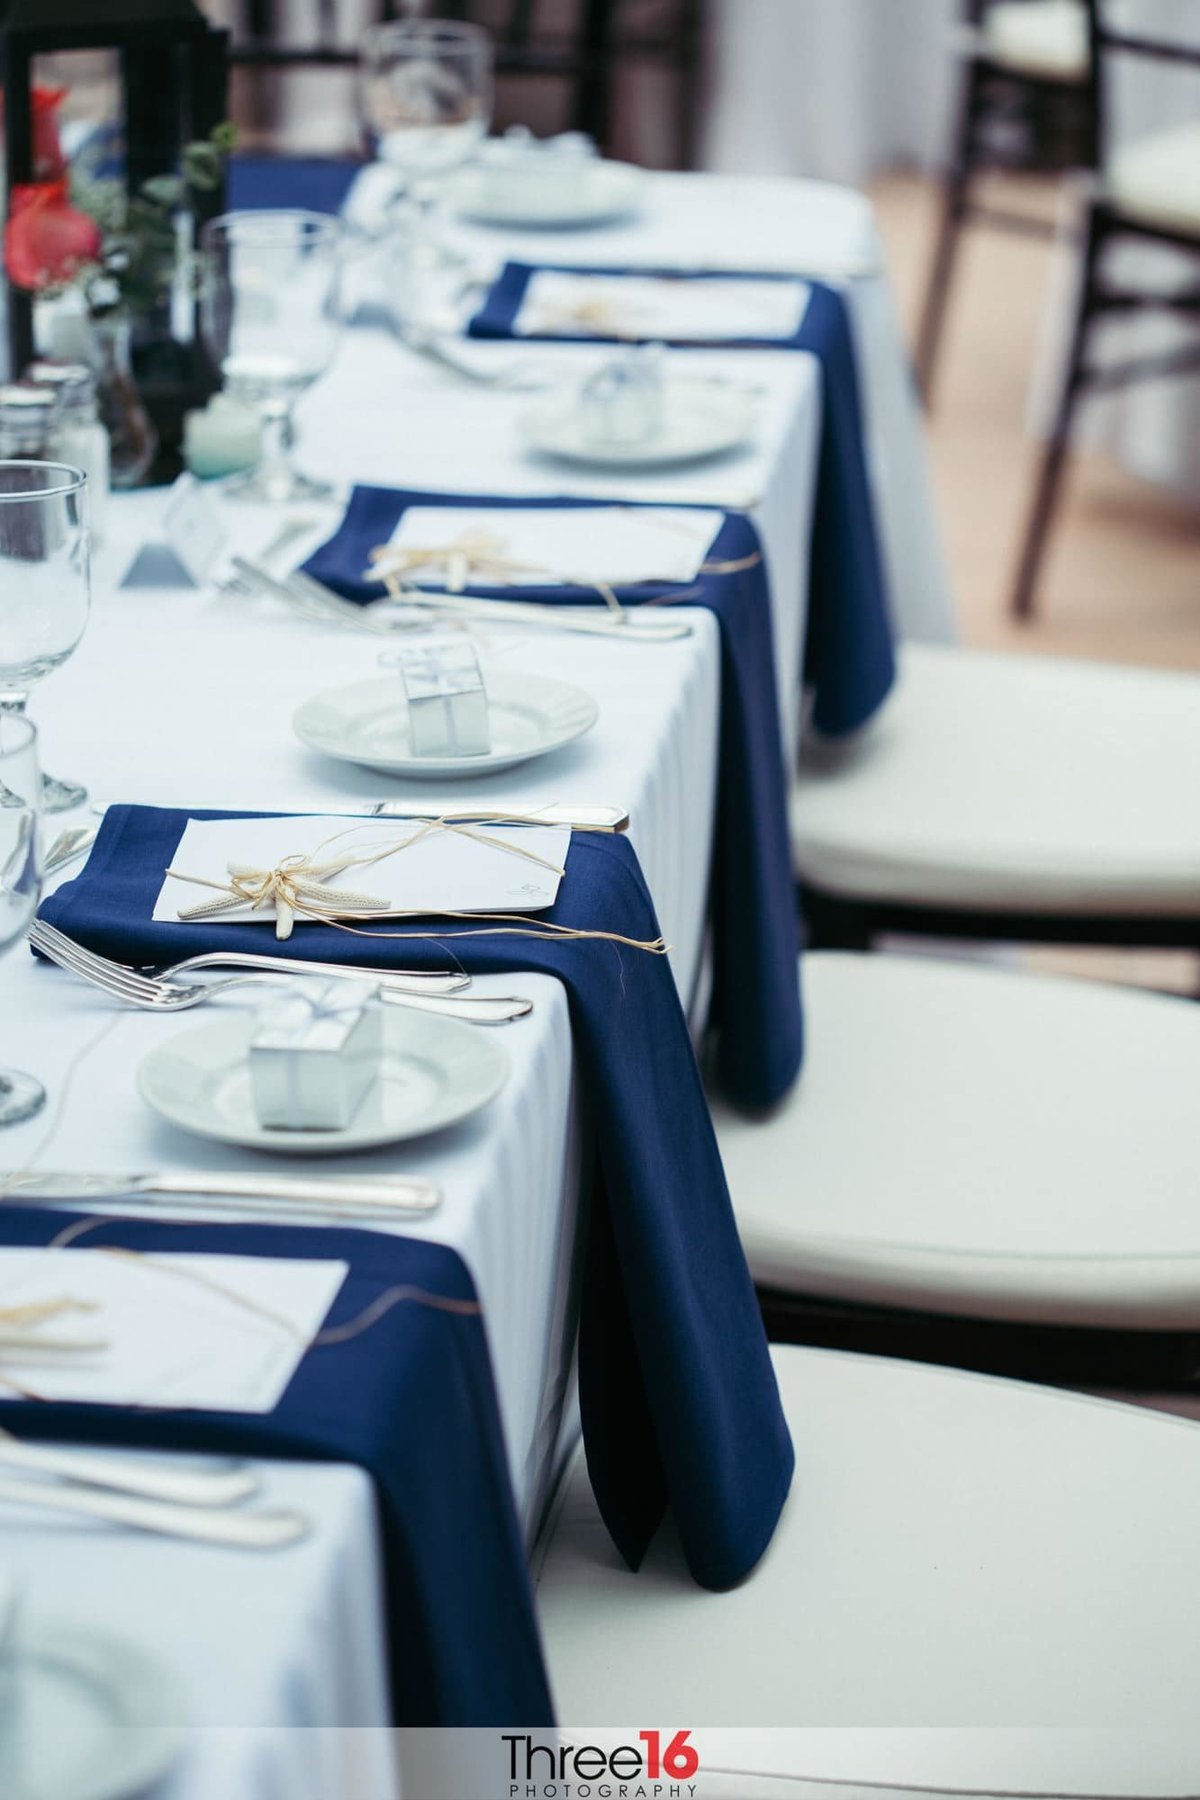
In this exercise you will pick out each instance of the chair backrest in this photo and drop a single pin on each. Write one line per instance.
(1112, 40)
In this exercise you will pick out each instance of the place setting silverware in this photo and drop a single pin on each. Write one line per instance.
(168, 993)
(143, 1477)
(581, 815)
(250, 1529)
(312, 600)
(76, 841)
(326, 1196)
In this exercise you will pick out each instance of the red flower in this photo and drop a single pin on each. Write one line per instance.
(46, 240)
(49, 163)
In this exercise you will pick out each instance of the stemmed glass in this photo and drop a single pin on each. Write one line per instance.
(425, 98)
(45, 587)
(20, 877)
(269, 316)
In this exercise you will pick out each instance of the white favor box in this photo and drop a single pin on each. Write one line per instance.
(623, 401)
(315, 1052)
(447, 700)
(544, 174)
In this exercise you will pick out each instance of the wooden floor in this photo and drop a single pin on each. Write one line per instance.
(1122, 578)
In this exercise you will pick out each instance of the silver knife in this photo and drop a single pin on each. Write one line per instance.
(68, 845)
(583, 817)
(359, 1196)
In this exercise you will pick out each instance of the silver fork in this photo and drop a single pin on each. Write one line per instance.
(155, 993)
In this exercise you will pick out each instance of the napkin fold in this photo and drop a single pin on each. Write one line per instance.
(678, 1396)
(756, 1001)
(412, 1401)
(849, 655)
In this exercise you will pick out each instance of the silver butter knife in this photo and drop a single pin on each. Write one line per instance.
(582, 817)
(359, 1197)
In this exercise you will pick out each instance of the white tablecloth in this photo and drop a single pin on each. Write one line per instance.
(185, 698)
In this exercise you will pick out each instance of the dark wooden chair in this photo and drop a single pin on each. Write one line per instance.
(1027, 101)
(582, 46)
(1147, 191)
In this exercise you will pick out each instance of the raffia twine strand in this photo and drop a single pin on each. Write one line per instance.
(403, 1294)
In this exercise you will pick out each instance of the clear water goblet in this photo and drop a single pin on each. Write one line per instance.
(20, 877)
(269, 315)
(45, 586)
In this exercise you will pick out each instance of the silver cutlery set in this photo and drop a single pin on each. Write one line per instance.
(203, 1504)
(312, 600)
(167, 992)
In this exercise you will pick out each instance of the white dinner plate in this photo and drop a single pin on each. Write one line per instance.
(699, 420)
(367, 723)
(435, 1071)
(87, 1715)
(612, 190)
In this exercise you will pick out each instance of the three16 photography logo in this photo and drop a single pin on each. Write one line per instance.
(658, 1765)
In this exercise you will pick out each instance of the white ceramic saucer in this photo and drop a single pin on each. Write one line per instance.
(435, 1072)
(89, 1715)
(700, 420)
(609, 190)
(367, 723)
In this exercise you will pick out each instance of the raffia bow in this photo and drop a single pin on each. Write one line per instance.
(296, 884)
(36, 1312)
(472, 555)
(601, 315)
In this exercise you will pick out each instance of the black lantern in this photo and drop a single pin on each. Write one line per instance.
(172, 66)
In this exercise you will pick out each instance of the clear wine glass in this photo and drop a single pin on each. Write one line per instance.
(269, 314)
(425, 99)
(20, 877)
(45, 586)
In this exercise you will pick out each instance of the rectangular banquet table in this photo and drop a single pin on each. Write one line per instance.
(185, 698)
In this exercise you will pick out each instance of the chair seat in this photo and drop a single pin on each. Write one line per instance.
(960, 1557)
(1009, 782)
(968, 1141)
(1044, 38)
(1157, 180)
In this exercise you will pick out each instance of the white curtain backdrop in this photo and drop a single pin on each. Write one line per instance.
(833, 89)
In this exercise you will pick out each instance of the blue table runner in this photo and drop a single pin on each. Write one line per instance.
(412, 1401)
(678, 1396)
(755, 1014)
(849, 654)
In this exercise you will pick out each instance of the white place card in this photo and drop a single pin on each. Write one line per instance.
(549, 546)
(218, 1333)
(194, 540)
(699, 309)
(428, 870)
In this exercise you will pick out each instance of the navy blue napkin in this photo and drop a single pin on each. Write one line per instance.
(755, 1013)
(315, 183)
(412, 1401)
(678, 1396)
(849, 655)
